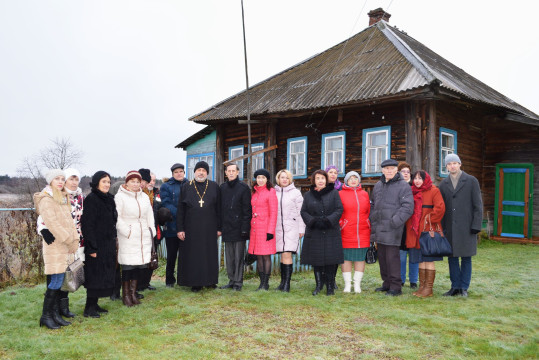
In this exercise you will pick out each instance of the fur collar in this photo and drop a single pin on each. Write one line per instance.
(318, 194)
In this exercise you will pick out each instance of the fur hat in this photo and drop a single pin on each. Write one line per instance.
(452, 158)
(145, 174)
(177, 166)
(71, 172)
(389, 162)
(97, 177)
(53, 173)
(349, 175)
(204, 165)
(263, 172)
(132, 175)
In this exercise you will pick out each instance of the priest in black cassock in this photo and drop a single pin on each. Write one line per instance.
(199, 226)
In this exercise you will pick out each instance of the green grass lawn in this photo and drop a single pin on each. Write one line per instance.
(500, 319)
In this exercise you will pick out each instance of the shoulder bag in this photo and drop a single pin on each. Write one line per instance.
(74, 276)
(154, 259)
(434, 243)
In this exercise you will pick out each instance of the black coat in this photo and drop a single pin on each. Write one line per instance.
(235, 210)
(392, 204)
(322, 246)
(463, 214)
(98, 224)
(198, 260)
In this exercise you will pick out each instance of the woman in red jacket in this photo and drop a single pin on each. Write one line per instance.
(263, 223)
(355, 230)
(429, 209)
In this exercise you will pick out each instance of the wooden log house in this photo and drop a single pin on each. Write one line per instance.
(381, 94)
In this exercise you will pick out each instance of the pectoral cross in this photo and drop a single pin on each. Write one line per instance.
(201, 202)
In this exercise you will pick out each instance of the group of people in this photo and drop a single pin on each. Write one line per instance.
(337, 221)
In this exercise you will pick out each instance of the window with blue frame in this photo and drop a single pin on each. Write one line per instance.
(296, 159)
(234, 152)
(334, 150)
(257, 161)
(192, 160)
(448, 145)
(376, 147)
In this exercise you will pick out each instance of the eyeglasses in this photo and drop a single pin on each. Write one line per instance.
(405, 171)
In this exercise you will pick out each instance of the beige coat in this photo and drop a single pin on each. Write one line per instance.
(57, 217)
(135, 219)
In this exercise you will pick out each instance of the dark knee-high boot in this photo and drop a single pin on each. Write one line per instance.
(287, 275)
(64, 305)
(133, 291)
(46, 316)
(56, 311)
(281, 285)
(330, 280)
(126, 294)
(262, 277)
(318, 277)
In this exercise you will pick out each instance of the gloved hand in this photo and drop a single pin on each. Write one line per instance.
(320, 223)
(327, 223)
(269, 237)
(475, 231)
(47, 236)
(245, 235)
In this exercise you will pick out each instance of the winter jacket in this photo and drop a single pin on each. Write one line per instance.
(322, 244)
(235, 210)
(58, 218)
(98, 224)
(354, 223)
(392, 204)
(464, 214)
(263, 222)
(433, 204)
(289, 221)
(170, 195)
(135, 227)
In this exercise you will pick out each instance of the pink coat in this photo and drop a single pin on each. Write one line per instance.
(263, 222)
(289, 221)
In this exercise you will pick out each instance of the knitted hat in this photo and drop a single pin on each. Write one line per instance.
(145, 174)
(263, 172)
(97, 177)
(204, 165)
(452, 158)
(71, 172)
(389, 162)
(332, 167)
(132, 175)
(349, 175)
(52, 174)
(177, 166)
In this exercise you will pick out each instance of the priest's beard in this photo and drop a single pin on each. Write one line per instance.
(201, 178)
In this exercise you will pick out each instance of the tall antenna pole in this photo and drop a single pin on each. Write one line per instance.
(249, 164)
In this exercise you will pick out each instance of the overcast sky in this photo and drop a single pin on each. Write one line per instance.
(121, 78)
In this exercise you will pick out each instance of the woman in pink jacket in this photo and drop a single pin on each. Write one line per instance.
(263, 222)
(290, 226)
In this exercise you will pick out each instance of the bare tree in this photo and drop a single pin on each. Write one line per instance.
(61, 155)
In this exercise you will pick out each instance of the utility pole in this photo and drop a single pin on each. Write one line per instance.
(249, 159)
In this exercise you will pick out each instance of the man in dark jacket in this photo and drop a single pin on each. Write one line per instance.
(392, 203)
(461, 222)
(170, 195)
(236, 224)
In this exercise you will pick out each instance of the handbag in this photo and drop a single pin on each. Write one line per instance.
(154, 259)
(74, 276)
(434, 243)
(249, 259)
(372, 255)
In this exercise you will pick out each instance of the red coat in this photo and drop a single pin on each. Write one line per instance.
(263, 222)
(354, 223)
(431, 197)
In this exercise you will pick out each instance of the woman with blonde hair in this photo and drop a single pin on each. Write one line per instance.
(60, 243)
(290, 226)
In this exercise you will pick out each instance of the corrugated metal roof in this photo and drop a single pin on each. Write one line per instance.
(380, 61)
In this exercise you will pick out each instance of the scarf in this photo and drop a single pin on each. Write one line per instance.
(418, 202)
(150, 194)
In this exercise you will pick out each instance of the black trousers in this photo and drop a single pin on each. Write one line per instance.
(390, 266)
(235, 259)
(173, 245)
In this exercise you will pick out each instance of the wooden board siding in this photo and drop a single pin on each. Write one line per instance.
(510, 142)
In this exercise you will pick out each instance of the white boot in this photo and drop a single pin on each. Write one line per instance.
(347, 276)
(357, 281)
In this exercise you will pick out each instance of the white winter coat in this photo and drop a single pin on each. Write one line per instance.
(135, 219)
(289, 221)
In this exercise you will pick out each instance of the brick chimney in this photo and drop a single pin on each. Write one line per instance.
(377, 15)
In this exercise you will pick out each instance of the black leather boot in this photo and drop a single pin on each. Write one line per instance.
(90, 309)
(287, 275)
(281, 285)
(336, 267)
(262, 277)
(56, 310)
(266, 281)
(330, 280)
(46, 316)
(318, 276)
(64, 305)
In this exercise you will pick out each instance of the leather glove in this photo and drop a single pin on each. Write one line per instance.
(47, 236)
(269, 237)
(475, 231)
(245, 235)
